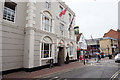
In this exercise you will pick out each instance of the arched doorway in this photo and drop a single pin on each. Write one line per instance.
(61, 53)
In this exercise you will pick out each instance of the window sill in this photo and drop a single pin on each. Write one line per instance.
(8, 22)
(70, 55)
(46, 58)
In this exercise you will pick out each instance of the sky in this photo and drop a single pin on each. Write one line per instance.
(95, 17)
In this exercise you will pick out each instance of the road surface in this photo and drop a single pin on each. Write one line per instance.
(105, 70)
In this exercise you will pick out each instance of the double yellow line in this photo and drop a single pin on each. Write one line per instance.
(115, 75)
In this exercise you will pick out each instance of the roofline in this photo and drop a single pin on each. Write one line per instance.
(66, 6)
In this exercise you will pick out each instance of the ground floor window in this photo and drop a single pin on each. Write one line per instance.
(70, 50)
(46, 50)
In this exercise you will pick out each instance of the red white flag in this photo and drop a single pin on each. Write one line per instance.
(63, 12)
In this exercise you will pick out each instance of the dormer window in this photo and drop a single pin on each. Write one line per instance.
(9, 11)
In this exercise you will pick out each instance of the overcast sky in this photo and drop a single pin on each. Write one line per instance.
(95, 17)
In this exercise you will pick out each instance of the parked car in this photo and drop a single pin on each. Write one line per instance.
(117, 58)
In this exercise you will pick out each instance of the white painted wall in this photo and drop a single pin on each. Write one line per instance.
(82, 43)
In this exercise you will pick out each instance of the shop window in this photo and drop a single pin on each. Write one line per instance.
(9, 11)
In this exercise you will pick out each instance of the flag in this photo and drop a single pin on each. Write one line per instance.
(63, 12)
(71, 23)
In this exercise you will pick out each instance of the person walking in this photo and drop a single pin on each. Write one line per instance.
(99, 58)
(86, 58)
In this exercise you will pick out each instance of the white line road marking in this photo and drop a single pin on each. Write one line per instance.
(114, 76)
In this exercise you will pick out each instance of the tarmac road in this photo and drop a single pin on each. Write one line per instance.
(95, 71)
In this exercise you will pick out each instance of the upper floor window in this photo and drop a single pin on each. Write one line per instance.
(48, 4)
(61, 9)
(69, 17)
(47, 22)
(61, 29)
(70, 34)
(9, 11)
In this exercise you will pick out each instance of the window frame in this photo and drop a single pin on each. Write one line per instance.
(48, 4)
(61, 29)
(70, 16)
(11, 14)
(43, 51)
(49, 25)
(71, 50)
(61, 9)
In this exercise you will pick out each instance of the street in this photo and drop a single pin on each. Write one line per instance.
(105, 69)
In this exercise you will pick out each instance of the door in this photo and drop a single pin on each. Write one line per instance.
(61, 55)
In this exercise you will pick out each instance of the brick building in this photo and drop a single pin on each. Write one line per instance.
(114, 34)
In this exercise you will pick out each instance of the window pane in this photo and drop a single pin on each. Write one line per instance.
(50, 53)
(61, 9)
(42, 54)
(61, 29)
(47, 4)
(46, 53)
(70, 50)
(46, 46)
(42, 47)
(46, 24)
(9, 14)
(51, 47)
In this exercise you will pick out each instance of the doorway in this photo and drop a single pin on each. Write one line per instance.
(61, 55)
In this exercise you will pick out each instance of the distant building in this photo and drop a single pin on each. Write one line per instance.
(93, 45)
(114, 34)
(108, 45)
(81, 43)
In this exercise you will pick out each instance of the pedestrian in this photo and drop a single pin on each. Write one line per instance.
(86, 58)
(81, 58)
(99, 58)
(51, 63)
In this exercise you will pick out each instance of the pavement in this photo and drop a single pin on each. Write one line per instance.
(47, 71)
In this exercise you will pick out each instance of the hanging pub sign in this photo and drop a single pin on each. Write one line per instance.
(76, 29)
